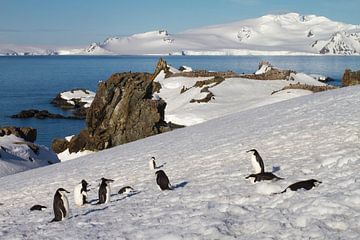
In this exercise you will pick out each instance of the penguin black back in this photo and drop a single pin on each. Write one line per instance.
(60, 205)
(306, 184)
(162, 180)
(84, 186)
(37, 208)
(265, 176)
(104, 190)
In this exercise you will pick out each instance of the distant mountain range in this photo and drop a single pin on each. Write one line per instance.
(287, 34)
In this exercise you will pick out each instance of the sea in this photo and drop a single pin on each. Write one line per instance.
(31, 82)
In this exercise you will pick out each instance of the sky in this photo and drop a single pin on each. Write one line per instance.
(81, 22)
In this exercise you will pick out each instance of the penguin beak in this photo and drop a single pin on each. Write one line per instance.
(66, 191)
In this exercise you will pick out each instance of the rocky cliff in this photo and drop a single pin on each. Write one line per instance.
(26, 133)
(123, 110)
(350, 78)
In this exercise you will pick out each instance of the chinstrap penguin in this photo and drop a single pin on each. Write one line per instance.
(104, 191)
(80, 193)
(162, 180)
(264, 176)
(126, 190)
(60, 205)
(152, 163)
(256, 161)
(37, 208)
(306, 184)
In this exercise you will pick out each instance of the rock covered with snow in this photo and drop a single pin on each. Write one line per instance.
(27, 133)
(18, 155)
(74, 98)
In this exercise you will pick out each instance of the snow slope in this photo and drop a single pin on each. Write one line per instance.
(230, 96)
(17, 156)
(287, 34)
(315, 136)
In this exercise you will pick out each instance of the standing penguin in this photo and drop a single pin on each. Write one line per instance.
(60, 205)
(257, 161)
(80, 193)
(162, 180)
(152, 163)
(104, 191)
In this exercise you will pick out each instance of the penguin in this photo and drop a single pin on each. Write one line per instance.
(104, 191)
(60, 205)
(257, 161)
(265, 176)
(126, 190)
(80, 193)
(37, 208)
(152, 163)
(306, 184)
(162, 180)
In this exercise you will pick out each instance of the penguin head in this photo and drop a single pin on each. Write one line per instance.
(254, 151)
(161, 172)
(153, 158)
(105, 180)
(62, 191)
(84, 183)
(315, 182)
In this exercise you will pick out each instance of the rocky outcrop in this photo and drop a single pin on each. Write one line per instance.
(268, 72)
(42, 114)
(350, 78)
(123, 110)
(26, 133)
(77, 99)
(162, 66)
(59, 145)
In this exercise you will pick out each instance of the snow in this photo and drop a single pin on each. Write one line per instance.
(66, 155)
(16, 156)
(84, 96)
(314, 136)
(286, 34)
(232, 95)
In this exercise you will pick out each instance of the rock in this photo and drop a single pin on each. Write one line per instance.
(59, 145)
(161, 65)
(26, 133)
(78, 99)
(123, 110)
(350, 78)
(268, 72)
(42, 114)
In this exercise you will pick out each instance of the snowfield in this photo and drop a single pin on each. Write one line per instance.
(314, 136)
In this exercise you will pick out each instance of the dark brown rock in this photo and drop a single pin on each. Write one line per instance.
(43, 114)
(59, 145)
(273, 74)
(350, 78)
(161, 65)
(123, 111)
(26, 133)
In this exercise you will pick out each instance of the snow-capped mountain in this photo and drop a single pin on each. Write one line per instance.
(287, 34)
(290, 33)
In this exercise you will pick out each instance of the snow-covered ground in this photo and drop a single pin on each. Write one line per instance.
(314, 136)
(232, 95)
(285, 34)
(17, 156)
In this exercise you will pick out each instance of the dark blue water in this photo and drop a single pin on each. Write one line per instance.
(32, 82)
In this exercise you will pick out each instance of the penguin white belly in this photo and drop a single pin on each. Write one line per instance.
(78, 197)
(152, 164)
(108, 194)
(66, 205)
(255, 164)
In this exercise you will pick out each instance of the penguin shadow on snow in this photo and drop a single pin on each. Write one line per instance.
(93, 210)
(180, 185)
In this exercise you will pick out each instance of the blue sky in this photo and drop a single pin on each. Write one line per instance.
(80, 22)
